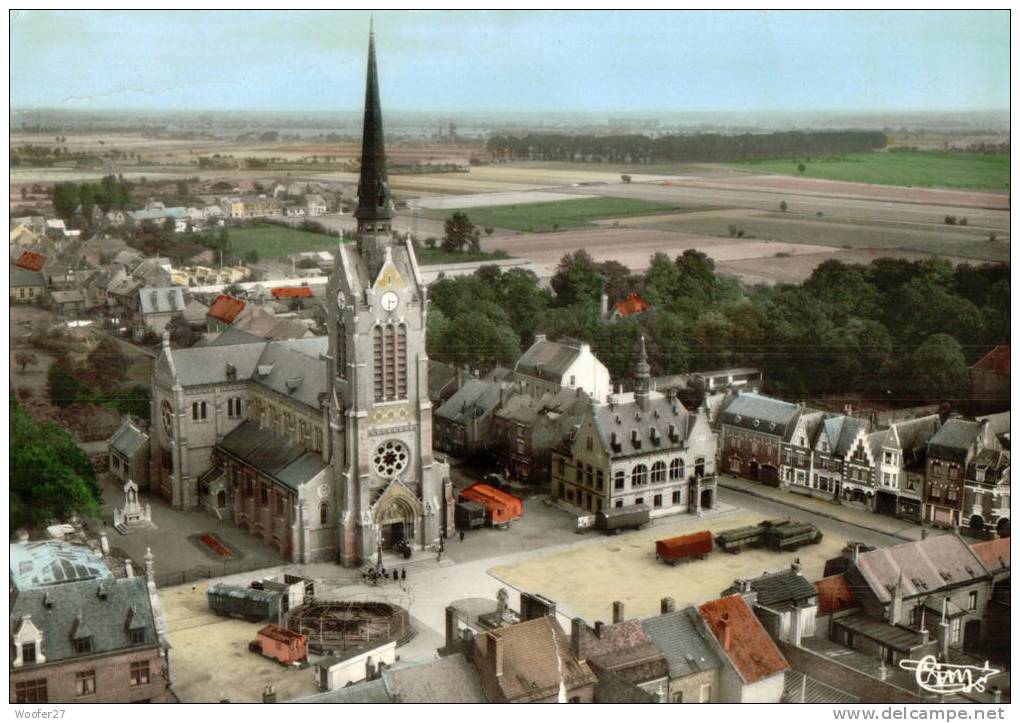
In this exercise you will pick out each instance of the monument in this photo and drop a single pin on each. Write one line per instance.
(133, 517)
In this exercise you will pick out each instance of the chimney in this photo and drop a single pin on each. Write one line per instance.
(494, 652)
(666, 605)
(600, 628)
(150, 570)
(604, 306)
(269, 694)
(795, 566)
(617, 611)
(745, 586)
(129, 571)
(896, 603)
(924, 533)
(576, 628)
(539, 337)
(726, 633)
(855, 551)
(796, 625)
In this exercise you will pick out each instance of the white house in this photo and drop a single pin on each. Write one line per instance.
(549, 366)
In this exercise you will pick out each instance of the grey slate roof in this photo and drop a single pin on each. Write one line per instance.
(760, 413)
(473, 400)
(548, 359)
(161, 300)
(272, 454)
(373, 691)
(842, 431)
(36, 564)
(440, 375)
(231, 336)
(24, 277)
(680, 643)
(926, 566)
(58, 609)
(778, 587)
(954, 440)
(800, 688)
(633, 426)
(128, 439)
(67, 297)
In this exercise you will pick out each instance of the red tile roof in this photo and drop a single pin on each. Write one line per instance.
(225, 309)
(292, 292)
(750, 649)
(834, 595)
(993, 553)
(997, 360)
(32, 261)
(633, 304)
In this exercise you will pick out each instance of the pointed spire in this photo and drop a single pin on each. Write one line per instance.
(373, 186)
(642, 375)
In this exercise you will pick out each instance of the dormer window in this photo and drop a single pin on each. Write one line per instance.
(28, 653)
(83, 646)
(137, 636)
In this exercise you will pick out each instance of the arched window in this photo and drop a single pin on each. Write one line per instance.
(389, 355)
(676, 470)
(658, 472)
(341, 351)
(324, 514)
(639, 475)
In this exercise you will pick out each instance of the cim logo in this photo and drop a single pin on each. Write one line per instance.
(943, 678)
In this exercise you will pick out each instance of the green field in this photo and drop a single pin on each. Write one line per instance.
(429, 257)
(921, 168)
(554, 215)
(270, 241)
(774, 226)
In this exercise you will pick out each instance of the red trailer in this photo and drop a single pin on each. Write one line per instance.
(685, 547)
(282, 645)
(500, 507)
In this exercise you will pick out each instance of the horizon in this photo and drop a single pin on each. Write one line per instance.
(514, 62)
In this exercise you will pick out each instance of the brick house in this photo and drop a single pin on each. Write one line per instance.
(986, 491)
(526, 429)
(844, 458)
(692, 665)
(988, 381)
(950, 451)
(899, 453)
(463, 424)
(752, 428)
(798, 460)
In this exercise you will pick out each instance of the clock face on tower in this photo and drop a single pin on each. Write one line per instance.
(389, 301)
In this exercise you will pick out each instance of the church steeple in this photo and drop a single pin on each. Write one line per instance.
(374, 208)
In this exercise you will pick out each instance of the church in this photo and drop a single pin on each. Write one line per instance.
(322, 447)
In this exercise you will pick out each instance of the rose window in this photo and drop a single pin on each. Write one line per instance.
(390, 459)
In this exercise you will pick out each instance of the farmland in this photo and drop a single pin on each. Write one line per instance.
(903, 168)
(550, 216)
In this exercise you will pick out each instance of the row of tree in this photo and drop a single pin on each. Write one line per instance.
(111, 192)
(894, 330)
(701, 147)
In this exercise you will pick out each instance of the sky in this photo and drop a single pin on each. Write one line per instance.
(522, 61)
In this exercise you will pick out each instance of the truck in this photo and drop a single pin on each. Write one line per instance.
(282, 645)
(685, 547)
(787, 535)
(739, 538)
(618, 519)
(244, 602)
(501, 508)
(469, 515)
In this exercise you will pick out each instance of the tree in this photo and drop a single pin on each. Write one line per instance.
(783, 206)
(181, 333)
(50, 476)
(625, 178)
(939, 370)
(25, 359)
(801, 168)
(457, 232)
(65, 199)
(577, 280)
(63, 388)
(106, 366)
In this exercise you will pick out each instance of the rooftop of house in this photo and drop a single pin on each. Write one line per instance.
(163, 300)
(994, 554)
(628, 426)
(473, 400)
(800, 688)
(750, 410)
(923, 566)
(451, 679)
(675, 635)
(954, 440)
(225, 309)
(841, 432)
(128, 439)
(31, 260)
(38, 564)
(72, 296)
(24, 277)
(632, 304)
(743, 639)
(537, 660)
(440, 375)
(776, 588)
(995, 361)
(834, 595)
(292, 292)
(548, 360)
(624, 648)
(106, 610)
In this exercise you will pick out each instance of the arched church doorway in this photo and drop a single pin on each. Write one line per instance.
(396, 521)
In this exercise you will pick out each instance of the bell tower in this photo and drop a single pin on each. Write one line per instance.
(387, 488)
